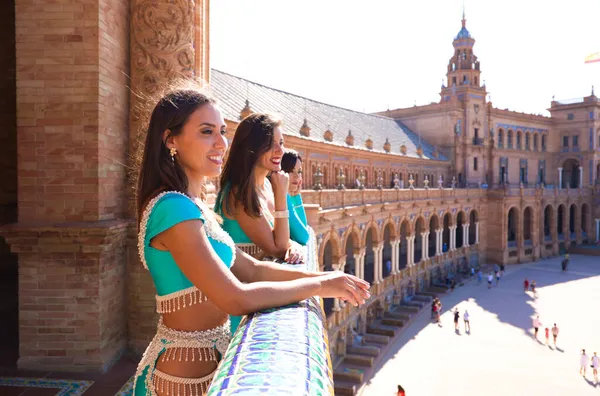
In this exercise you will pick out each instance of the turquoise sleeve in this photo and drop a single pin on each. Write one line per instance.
(299, 208)
(298, 229)
(170, 210)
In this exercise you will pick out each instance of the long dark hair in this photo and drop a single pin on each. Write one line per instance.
(253, 137)
(157, 170)
(289, 159)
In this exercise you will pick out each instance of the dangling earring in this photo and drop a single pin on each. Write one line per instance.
(173, 151)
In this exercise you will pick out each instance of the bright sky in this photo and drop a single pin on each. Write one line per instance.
(371, 55)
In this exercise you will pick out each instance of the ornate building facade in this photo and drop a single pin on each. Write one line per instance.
(386, 202)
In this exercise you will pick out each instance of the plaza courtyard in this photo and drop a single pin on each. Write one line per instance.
(500, 356)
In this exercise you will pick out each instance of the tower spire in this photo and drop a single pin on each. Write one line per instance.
(464, 20)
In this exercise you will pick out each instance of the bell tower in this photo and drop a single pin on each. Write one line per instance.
(463, 73)
(466, 94)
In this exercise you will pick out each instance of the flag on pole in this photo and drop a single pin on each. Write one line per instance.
(593, 58)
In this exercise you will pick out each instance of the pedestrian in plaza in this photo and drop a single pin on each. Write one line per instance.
(479, 276)
(401, 391)
(466, 317)
(533, 287)
(536, 326)
(497, 277)
(433, 308)
(438, 313)
(456, 316)
(490, 280)
(526, 285)
(501, 269)
(583, 362)
(547, 333)
(595, 364)
(555, 333)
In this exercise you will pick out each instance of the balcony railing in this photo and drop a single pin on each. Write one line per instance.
(328, 199)
(280, 351)
(477, 141)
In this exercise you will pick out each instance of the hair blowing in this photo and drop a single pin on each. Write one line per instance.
(157, 170)
(253, 137)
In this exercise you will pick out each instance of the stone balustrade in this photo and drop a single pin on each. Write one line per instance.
(279, 351)
(328, 199)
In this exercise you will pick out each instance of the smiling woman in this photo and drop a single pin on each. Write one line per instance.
(253, 196)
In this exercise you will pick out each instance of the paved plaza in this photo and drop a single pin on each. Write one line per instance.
(500, 356)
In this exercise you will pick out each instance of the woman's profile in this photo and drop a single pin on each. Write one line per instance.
(199, 274)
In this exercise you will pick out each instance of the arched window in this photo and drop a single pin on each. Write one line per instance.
(527, 147)
(535, 142)
(500, 138)
(543, 142)
(509, 141)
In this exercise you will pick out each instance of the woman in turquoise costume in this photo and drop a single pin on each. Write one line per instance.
(253, 190)
(291, 163)
(199, 274)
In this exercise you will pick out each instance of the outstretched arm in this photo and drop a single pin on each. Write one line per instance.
(191, 250)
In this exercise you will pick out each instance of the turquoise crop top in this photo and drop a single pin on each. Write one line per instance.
(163, 212)
(298, 223)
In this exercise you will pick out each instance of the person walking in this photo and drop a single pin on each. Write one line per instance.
(401, 391)
(533, 287)
(456, 316)
(595, 364)
(497, 277)
(490, 280)
(467, 323)
(547, 333)
(583, 362)
(479, 277)
(536, 326)
(526, 285)
(501, 269)
(555, 333)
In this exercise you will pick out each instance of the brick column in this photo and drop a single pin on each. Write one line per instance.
(168, 41)
(72, 116)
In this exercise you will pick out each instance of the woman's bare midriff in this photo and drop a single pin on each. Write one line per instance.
(197, 317)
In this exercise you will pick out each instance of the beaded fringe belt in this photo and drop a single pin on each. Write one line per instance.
(173, 345)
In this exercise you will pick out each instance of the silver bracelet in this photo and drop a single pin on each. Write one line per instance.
(281, 214)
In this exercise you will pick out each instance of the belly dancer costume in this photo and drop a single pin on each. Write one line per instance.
(175, 292)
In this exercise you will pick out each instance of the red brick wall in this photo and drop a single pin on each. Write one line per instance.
(71, 296)
(72, 105)
(113, 107)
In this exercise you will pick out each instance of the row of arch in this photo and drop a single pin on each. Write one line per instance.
(345, 251)
(556, 223)
(532, 141)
